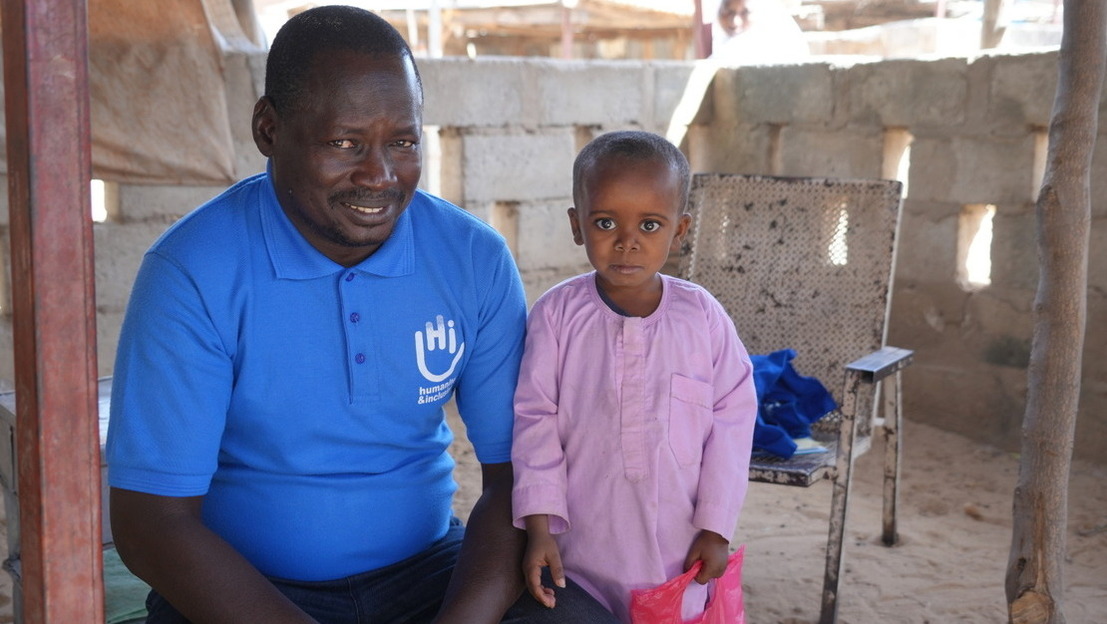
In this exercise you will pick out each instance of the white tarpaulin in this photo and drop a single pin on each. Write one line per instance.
(157, 91)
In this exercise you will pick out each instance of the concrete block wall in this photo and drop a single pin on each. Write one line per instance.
(502, 134)
(978, 137)
(509, 130)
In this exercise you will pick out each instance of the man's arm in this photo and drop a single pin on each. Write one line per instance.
(163, 541)
(487, 580)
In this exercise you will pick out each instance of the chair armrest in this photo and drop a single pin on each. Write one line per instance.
(881, 363)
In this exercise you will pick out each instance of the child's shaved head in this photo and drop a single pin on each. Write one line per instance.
(631, 146)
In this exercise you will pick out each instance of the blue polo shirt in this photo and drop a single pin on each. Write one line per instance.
(303, 399)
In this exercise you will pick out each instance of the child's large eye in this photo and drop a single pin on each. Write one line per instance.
(605, 223)
(650, 225)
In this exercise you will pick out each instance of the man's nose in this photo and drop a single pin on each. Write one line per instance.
(374, 169)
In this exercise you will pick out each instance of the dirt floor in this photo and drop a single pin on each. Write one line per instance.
(955, 528)
(955, 536)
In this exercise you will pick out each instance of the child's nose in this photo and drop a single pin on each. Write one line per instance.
(627, 241)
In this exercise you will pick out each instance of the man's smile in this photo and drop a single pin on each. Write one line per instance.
(367, 210)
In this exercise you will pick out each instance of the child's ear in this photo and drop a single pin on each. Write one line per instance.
(574, 223)
(683, 224)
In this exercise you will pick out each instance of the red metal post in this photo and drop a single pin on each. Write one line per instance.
(701, 31)
(45, 45)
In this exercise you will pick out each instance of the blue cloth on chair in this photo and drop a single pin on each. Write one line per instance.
(787, 403)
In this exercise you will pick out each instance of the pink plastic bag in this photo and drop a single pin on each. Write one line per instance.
(662, 604)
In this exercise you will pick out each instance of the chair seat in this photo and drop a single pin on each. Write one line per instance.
(803, 470)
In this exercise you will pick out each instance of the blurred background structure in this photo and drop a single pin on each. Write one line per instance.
(172, 88)
(952, 97)
(664, 29)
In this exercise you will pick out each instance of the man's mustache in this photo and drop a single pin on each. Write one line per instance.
(390, 196)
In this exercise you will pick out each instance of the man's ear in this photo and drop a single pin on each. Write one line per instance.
(574, 223)
(264, 125)
(683, 224)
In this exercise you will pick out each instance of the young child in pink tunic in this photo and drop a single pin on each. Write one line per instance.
(635, 407)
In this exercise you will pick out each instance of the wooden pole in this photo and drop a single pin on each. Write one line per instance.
(45, 45)
(566, 32)
(1034, 584)
(993, 23)
(701, 32)
(434, 30)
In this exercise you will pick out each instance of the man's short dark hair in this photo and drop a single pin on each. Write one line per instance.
(320, 30)
(632, 145)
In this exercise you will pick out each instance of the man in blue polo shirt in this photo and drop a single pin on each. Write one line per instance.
(277, 449)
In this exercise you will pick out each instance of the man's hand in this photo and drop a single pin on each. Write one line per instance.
(711, 548)
(542, 551)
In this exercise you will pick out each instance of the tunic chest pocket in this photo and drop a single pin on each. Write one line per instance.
(690, 412)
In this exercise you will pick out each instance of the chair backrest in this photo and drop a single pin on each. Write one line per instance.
(800, 263)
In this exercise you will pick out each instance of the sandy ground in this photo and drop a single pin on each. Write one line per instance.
(955, 534)
(955, 529)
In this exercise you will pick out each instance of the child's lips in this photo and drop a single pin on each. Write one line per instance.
(625, 269)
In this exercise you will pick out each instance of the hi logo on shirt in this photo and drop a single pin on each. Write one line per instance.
(439, 336)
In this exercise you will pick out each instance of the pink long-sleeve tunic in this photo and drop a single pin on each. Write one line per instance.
(631, 433)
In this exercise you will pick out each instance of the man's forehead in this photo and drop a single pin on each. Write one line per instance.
(341, 68)
(325, 59)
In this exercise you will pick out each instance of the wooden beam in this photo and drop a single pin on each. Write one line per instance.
(45, 45)
(701, 32)
(566, 33)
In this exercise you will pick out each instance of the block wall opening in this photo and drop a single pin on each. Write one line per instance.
(105, 201)
(504, 216)
(974, 246)
(896, 162)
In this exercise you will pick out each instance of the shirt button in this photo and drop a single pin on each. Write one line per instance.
(354, 317)
(360, 358)
(349, 277)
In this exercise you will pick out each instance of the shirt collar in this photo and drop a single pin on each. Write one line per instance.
(293, 257)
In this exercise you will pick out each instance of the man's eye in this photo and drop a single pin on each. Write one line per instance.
(650, 226)
(605, 223)
(342, 143)
(404, 143)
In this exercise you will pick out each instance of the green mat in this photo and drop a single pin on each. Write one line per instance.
(124, 593)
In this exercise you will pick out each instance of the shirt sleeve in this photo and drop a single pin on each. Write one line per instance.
(170, 389)
(486, 387)
(724, 471)
(537, 455)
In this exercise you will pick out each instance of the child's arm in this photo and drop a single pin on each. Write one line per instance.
(713, 549)
(539, 502)
(724, 466)
(542, 552)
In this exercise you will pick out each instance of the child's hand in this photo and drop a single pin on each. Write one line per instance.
(713, 549)
(542, 551)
